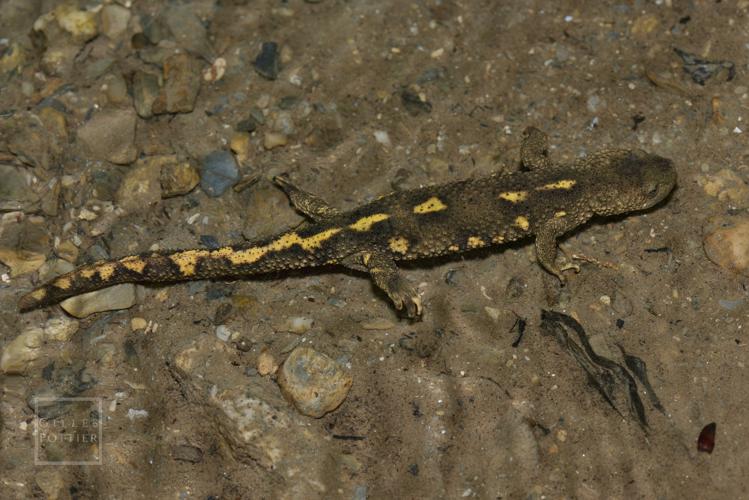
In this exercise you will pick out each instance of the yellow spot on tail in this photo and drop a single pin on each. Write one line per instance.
(563, 184)
(88, 272)
(133, 263)
(365, 258)
(187, 260)
(62, 283)
(366, 223)
(522, 223)
(106, 270)
(498, 239)
(560, 214)
(453, 248)
(284, 242)
(475, 242)
(514, 196)
(433, 204)
(398, 245)
(38, 294)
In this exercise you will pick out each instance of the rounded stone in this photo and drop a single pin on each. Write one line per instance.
(313, 382)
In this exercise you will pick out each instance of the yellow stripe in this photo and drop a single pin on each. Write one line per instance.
(563, 184)
(133, 263)
(433, 204)
(62, 283)
(286, 241)
(366, 223)
(560, 214)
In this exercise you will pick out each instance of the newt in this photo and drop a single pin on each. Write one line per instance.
(544, 200)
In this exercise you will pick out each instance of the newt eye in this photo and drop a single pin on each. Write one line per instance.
(650, 190)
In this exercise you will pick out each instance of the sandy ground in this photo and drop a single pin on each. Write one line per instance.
(372, 97)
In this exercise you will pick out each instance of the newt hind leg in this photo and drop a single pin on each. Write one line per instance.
(307, 203)
(534, 150)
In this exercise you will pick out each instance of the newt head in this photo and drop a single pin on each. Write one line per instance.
(632, 181)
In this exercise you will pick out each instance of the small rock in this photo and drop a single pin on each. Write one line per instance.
(116, 89)
(68, 251)
(15, 190)
(141, 187)
(181, 85)
(60, 329)
(297, 324)
(215, 71)
(178, 178)
(109, 299)
(23, 246)
(187, 453)
(146, 90)
(224, 334)
(378, 324)
(415, 103)
(110, 135)
(644, 24)
(53, 268)
(267, 62)
(52, 483)
(728, 244)
(240, 144)
(313, 382)
(273, 140)
(187, 28)
(727, 186)
(21, 351)
(138, 323)
(114, 20)
(12, 56)
(266, 364)
(218, 173)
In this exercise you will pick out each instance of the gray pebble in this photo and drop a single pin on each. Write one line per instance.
(109, 299)
(267, 62)
(15, 190)
(110, 135)
(218, 173)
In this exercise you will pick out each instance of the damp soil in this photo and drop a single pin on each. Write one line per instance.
(362, 98)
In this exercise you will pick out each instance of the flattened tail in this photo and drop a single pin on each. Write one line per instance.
(283, 252)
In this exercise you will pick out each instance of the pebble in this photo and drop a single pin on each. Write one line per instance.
(188, 29)
(21, 351)
(297, 324)
(240, 144)
(273, 140)
(138, 323)
(145, 92)
(178, 178)
(15, 190)
(110, 135)
(109, 299)
(224, 334)
(266, 364)
(54, 268)
(727, 186)
(23, 246)
(313, 382)
(114, 19)
(267, 62)
(12, 56)
(51, 482)
(218, 173)
(727, 244)
(181, 85)
(68, 251)
(60, 329)
(141, 187)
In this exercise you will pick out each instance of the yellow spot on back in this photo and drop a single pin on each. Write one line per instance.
(399, 245)
(433, 204)
(475, 242)
(560, 214)
(106, 270)
(366, 223)
(514, 196)
(133, 263)
(522, 223)
(498, 239)
(62, 283)
(563, 184)
(187, 260)
(453, 248)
